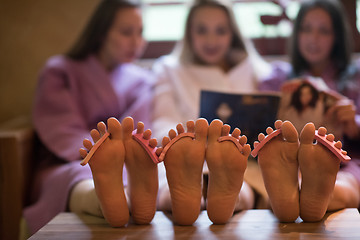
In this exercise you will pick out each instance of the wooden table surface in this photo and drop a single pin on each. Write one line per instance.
(251, 224)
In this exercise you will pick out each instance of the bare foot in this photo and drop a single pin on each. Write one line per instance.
(184, 162)
(106, 167)
(279, 167)
(142, 173)
(227, 165)
(318, 167)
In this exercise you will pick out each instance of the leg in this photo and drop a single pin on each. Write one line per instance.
(142, 173)
(83, 199)
(106, 167)
(184, 163)
(319, 168)
(279, 167)
(346, 192)
(227, 165)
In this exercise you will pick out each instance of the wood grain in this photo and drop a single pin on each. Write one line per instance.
(251, 224)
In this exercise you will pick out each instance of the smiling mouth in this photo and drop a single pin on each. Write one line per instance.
(211, 51)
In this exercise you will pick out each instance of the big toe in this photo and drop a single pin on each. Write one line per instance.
(214, 131)
(201, 129)
(128, 127)
(289, 132)
(114, 128)
(307, 134)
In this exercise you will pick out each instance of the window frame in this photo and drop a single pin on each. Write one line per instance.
(265, 46)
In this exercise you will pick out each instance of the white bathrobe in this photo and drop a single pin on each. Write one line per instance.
(178, 88)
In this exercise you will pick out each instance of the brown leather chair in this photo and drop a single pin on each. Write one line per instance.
(17, 139)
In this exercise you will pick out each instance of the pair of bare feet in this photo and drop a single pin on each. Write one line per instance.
(107, 163)
(299, 175)
(184, 160)
(226, 157)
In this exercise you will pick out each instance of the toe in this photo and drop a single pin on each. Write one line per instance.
(87, 144)
(140, 127)
(114, 128)
(330, 137)
(322, 131)
(338, 145)
(236, 133)
(147, 134)
(95, 135)
(83, 152)
(289, 132)
(102, 128)
(127, 127)
(190, 126)
(180, 128)
(261, 137)
(307, 134)
(165, 141)
(269, 130)
(278, 124)
(153, 143)
(246, 150)
(225, 130)
(172, 134)
(215, 129)
(201, 129)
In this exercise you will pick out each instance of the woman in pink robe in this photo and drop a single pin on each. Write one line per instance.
(320, 47)
(95, 80)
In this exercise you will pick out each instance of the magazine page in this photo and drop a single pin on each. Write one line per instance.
(251, 113)
(309, 100)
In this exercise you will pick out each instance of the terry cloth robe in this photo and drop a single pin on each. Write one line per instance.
(71, 98)
(178, 88)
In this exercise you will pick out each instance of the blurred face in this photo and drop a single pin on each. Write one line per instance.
(124, 42)
(305, 96)
(210, 35)
(316, 37)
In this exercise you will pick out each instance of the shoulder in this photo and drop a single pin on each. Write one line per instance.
(166, 62)
(58, 61)
(135, 72)
(59, 64)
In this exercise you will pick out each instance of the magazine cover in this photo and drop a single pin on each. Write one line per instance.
(251, 113)
(309, 100)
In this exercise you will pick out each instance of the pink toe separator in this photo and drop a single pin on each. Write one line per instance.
(264, 141)
(136, 136)
(331, 146)
(321, 139)
(94, 148)
(174, 140)
(145, 144)
(231, 139)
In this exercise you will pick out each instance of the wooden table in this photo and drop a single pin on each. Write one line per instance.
(251, 224)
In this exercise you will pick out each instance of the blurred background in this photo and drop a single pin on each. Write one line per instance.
(32, 31)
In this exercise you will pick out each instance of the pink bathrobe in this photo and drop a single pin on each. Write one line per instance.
(71, 98)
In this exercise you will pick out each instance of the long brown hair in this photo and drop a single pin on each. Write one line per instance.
(341, 51)
(92, 37)
(238, 44)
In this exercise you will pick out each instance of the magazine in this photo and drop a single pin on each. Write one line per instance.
(309, 99)
(251, 113)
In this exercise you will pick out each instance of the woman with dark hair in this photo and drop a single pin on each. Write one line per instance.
(95, 80)
(337, 50)
(320, 47)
